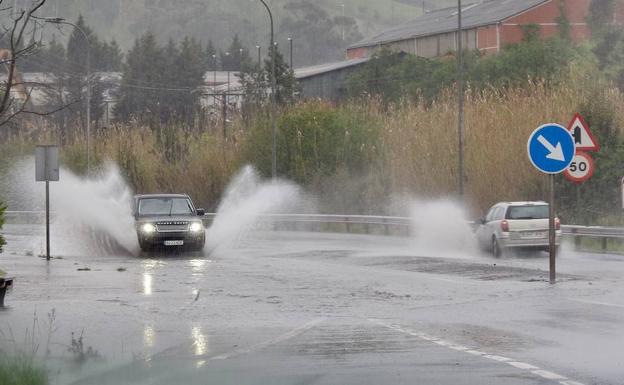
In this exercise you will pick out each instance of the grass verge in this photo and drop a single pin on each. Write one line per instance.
(21, 370)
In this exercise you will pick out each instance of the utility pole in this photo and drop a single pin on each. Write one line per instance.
(240, 57)
(460, 101)
(227, 54)
(272, 52)
(214, 82)
(343, 21)
(225, 107)
(240, 76)
(290, 40)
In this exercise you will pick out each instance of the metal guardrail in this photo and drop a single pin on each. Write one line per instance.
(593, 231)
(368, 222)
(599, 232)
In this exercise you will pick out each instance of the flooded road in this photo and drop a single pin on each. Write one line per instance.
(313, 308)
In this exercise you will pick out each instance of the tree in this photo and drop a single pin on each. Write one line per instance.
(190, 69)
(162, 84)
(211, 59)
(287, 87)
(607, 39)
(256, 81)
(235, 56)
(394, 76)
(600, 17)
(76, 65)
(53, 59)
(108, 57)
(169, 79)
(317, 35)
(17, 27)
(563, 23)
(141, 82)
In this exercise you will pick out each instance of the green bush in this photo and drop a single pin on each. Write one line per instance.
(315, 139)
(399, 76)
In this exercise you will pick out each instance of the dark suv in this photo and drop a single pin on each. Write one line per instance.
(168, 220)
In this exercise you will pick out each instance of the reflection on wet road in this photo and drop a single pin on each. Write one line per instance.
(301, 308)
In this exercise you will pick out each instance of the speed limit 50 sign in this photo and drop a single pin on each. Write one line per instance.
(581, 168)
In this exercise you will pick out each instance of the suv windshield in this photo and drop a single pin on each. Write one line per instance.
(527, 212)
(165, 206)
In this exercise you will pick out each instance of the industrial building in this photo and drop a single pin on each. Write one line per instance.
(487, 26)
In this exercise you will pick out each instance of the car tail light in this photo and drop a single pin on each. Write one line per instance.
(505, 226)
(557, 224)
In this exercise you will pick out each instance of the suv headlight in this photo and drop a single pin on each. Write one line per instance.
(196, 227)
(148, 228)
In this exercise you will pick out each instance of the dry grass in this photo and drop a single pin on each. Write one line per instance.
(421, 142)
(418, 155)
(200, 164)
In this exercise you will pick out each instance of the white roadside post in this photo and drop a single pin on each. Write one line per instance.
(551, 149)
(47, 170)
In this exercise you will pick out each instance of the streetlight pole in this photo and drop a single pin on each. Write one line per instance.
(227, 97)
(240, 59)
(59, 20)
(272, 48)
(460, 101)
(240, 74)
(214, 81)
(343, 21)
(290, 40)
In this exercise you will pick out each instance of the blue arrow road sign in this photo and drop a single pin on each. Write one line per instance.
(551, 148)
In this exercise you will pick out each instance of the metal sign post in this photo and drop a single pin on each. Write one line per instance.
(551, 150)
(47, 170)
(552, 241)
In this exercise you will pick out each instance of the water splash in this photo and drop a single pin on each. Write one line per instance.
(440, 229)
(246, 200)
(99, 209)
(90, 216)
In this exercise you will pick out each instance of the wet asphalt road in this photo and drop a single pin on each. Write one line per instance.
(305, 308)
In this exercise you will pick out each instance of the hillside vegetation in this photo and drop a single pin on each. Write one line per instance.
(219, 20)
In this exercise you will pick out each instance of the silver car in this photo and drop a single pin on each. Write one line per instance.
(513, 225)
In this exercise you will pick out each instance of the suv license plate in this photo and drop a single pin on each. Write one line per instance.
(174, 243)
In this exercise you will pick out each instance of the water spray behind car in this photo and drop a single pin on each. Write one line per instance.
(244, 205)
(438, 228)
(89, 216)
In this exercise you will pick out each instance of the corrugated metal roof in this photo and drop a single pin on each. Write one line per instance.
(306, 72)
(445, 20)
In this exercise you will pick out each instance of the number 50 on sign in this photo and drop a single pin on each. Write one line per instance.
(581, 168)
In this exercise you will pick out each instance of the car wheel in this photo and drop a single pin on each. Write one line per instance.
(496, 249)
(145, 246)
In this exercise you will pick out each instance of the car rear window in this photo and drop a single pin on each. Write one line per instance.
(527, 212)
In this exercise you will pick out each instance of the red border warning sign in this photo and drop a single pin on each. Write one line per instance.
(583, 138)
